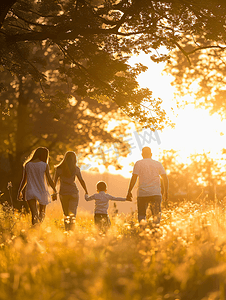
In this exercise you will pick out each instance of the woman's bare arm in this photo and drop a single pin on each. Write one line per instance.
(49, 179)
(82, 183)
(22, 186)
(56, 177)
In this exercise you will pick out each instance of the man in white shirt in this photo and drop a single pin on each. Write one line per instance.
(149, 172)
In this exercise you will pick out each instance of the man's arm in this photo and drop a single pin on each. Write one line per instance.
(166, 186)
(131, 185)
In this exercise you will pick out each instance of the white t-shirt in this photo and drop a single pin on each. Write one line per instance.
(149, 172)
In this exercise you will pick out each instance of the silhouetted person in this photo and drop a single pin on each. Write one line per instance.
(66, 172)
(101, 218)
(36, 172)
(149, 189)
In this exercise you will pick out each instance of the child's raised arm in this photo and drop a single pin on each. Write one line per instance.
(89, 198)
(116, 198)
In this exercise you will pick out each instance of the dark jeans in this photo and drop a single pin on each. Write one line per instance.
(69, 204)
(102, 221)
(155, 205)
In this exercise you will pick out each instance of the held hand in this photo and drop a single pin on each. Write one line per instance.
(165, 197)
(54, 197)
(129, 197)
(20, 196)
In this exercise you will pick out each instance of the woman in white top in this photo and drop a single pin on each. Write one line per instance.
(36, 172)
(66, 172)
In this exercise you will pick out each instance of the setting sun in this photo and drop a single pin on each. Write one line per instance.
(195, 130)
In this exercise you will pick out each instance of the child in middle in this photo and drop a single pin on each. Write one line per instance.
(101, 218)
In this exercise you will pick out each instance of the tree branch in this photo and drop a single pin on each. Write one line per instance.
(206, 47)
(29, 22)
(68, 34)
(18, 27)
(82, 68)
(183, 51)
(5, 7)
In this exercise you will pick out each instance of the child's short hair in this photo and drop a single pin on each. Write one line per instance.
(101, 186)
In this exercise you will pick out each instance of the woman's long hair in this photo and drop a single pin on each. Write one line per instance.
(68, 164)
(41, 153)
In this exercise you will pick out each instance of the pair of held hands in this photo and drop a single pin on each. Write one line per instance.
(20, 197)
(54, 197)
(129, 197)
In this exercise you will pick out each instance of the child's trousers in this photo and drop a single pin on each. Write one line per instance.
(102, 220)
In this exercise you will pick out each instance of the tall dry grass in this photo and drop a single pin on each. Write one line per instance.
(185, 258)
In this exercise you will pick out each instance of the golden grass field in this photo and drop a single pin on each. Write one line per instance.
(185, 258)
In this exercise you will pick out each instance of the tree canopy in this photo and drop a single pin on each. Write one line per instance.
(94, 39)
(198, 63)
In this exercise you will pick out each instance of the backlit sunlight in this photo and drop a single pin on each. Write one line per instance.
(195, 130)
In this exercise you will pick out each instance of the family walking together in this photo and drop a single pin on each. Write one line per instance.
(36, 177)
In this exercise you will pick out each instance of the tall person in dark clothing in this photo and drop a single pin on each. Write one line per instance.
(67, 171)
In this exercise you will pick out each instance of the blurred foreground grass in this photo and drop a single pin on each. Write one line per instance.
(183, 259)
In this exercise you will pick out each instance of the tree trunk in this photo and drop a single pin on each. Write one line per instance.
(22, 131)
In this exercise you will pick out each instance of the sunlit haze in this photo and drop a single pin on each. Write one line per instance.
(195, 130)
